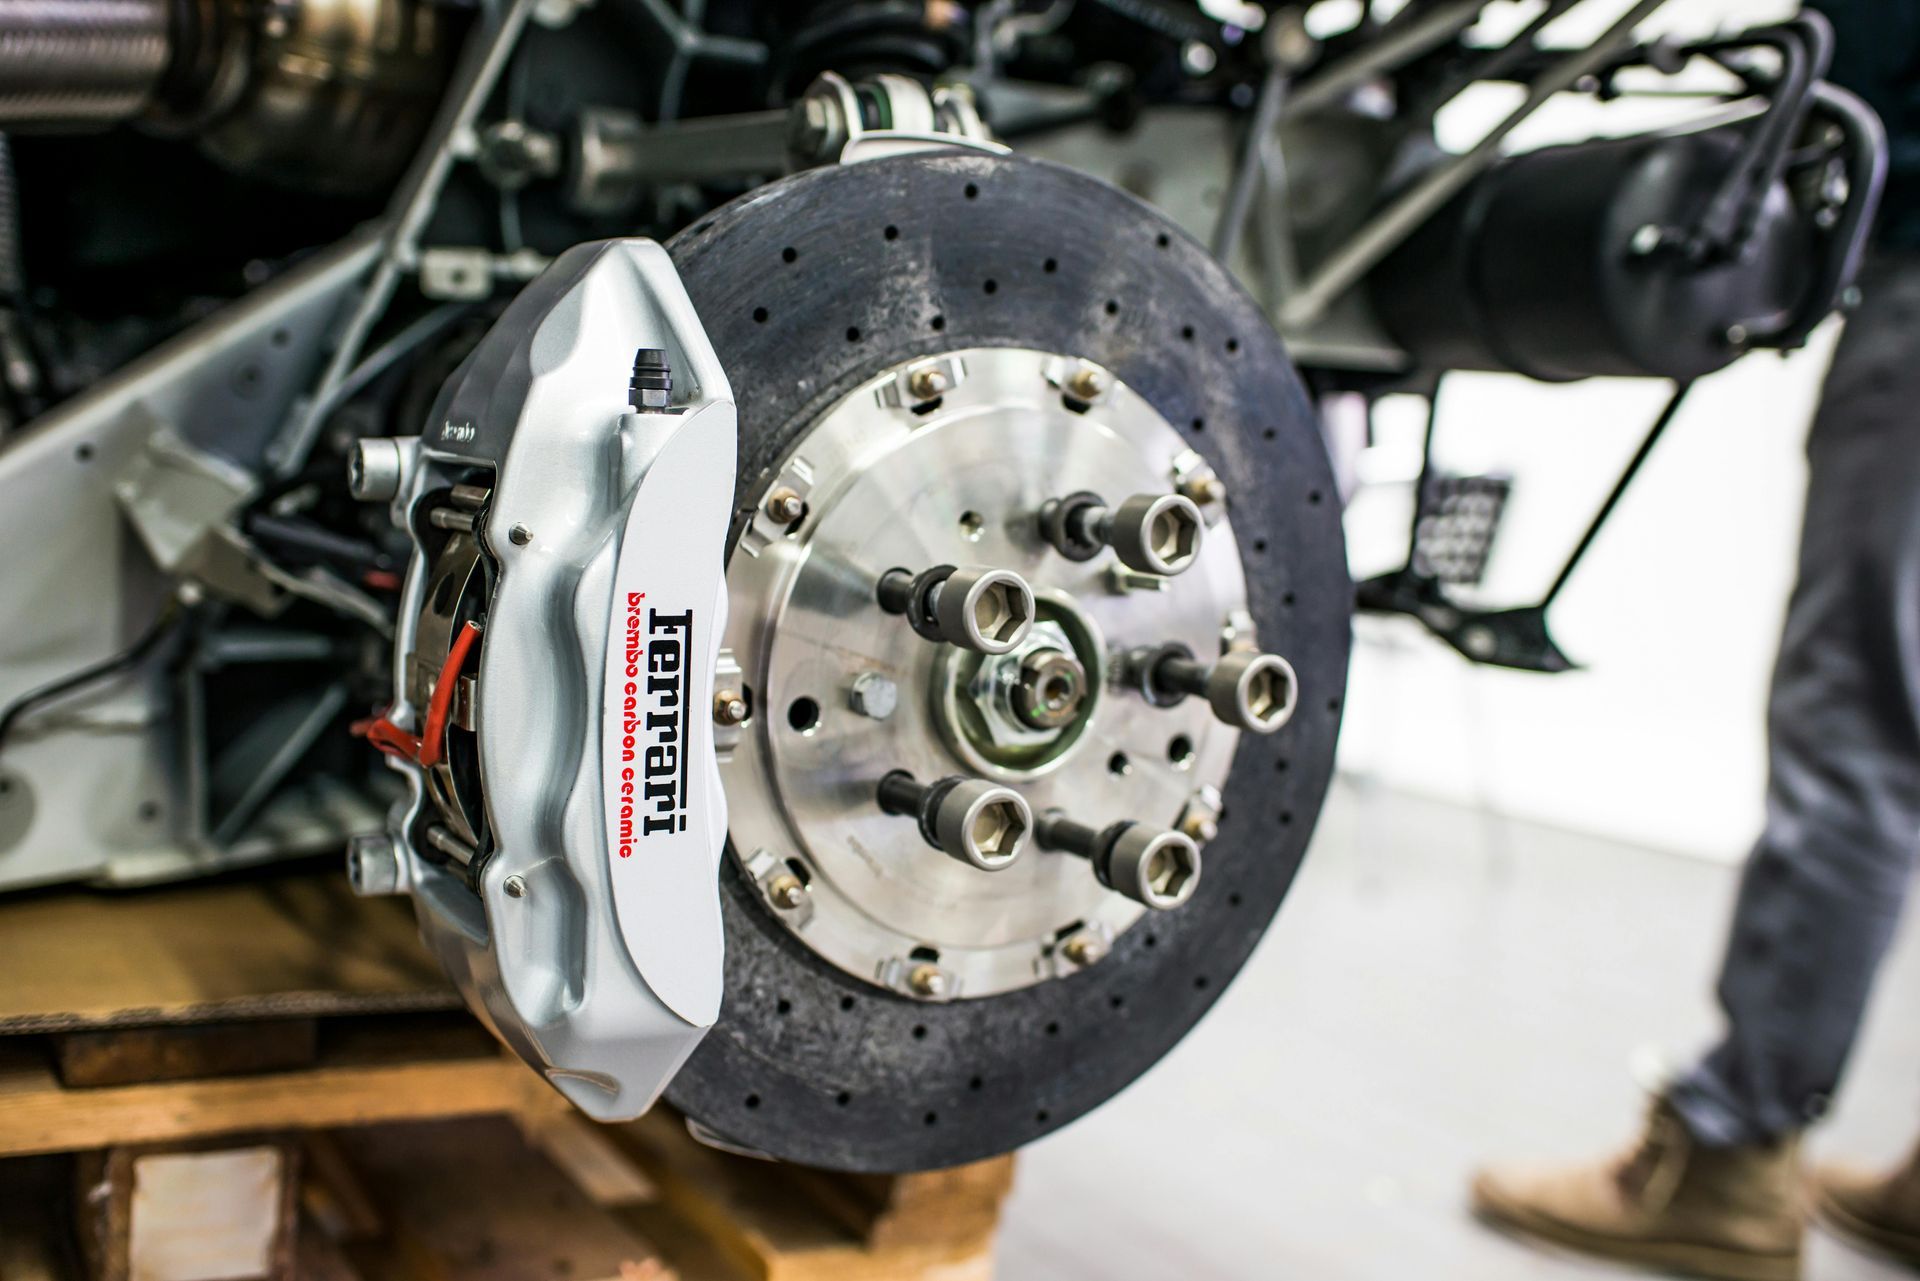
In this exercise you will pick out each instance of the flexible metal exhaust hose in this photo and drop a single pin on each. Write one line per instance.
(80, 62)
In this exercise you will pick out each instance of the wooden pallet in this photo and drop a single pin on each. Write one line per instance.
(272, 1071)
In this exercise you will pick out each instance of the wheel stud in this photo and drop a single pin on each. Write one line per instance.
(1247, 690)
(986, 610)
(1150, 865)
(981, 824)
(1150, 533)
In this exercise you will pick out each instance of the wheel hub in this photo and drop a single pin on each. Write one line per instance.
(891, 479)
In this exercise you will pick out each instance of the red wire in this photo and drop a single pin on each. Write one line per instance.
(428, 747)
(433, 735)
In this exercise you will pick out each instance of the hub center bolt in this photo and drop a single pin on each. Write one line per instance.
(1150, 865)
(977, 608)
(1250, 691)
(1049, 689)
(1150, 533)
(981, 824)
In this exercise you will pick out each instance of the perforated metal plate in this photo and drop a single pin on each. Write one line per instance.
(815, 284)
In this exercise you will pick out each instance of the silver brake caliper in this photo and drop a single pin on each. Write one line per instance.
(559, 629)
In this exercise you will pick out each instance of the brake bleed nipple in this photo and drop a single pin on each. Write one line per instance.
(650, 422)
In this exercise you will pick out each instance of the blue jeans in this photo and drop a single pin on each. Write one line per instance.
(1823, 888)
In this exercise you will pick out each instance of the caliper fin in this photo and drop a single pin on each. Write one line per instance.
(666, 812)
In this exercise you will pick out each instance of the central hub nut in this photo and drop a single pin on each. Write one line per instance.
(1051, 687)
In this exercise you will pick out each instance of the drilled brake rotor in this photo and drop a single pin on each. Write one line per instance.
(817, 292)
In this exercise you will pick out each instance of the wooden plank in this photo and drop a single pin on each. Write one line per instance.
(129, 1056)
(38, 1115)
(590, 1160)
(267, 946)
(769, 1228)
(332, 1196)
(956, 1205)
(472, 1200)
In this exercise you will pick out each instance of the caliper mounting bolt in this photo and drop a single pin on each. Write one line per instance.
(986, 610)
(1247, 690)
(1150, 865)
(376, 469)
(1150, 533)
(981, 824)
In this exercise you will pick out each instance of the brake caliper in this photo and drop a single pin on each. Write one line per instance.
(564, 823)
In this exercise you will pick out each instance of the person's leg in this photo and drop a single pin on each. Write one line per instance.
(1714, 1187)
(1824, 887)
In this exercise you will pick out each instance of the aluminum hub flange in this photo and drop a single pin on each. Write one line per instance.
(889, 477)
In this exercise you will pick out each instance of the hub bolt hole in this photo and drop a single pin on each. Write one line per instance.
(803, 715)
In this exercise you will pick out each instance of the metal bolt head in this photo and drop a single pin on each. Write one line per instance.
(729, 708)
(984, 825)
(929, 382)
(519, 535)
(1167, 872)
(1158, 533)
(1205, 489)
(1254, 692)
(786, 506)
(375, 469)
(1122, 581)
(515, 886)
(1083, 949)
(874, 695)
(1199, 827)
(929, 980)
(985, 610)
(786, 891)
(373, 865)
(814, 122)
(1157, 868)
(1051, 688)
(1087, 382)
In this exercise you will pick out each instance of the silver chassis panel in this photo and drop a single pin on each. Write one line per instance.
(97, 787)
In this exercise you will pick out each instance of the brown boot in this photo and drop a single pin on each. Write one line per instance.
(1881, 1212)
(1668, 1204)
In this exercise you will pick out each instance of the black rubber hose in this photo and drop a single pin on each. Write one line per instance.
(158, 630)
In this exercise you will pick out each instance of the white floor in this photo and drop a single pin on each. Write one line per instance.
(1441, 988)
